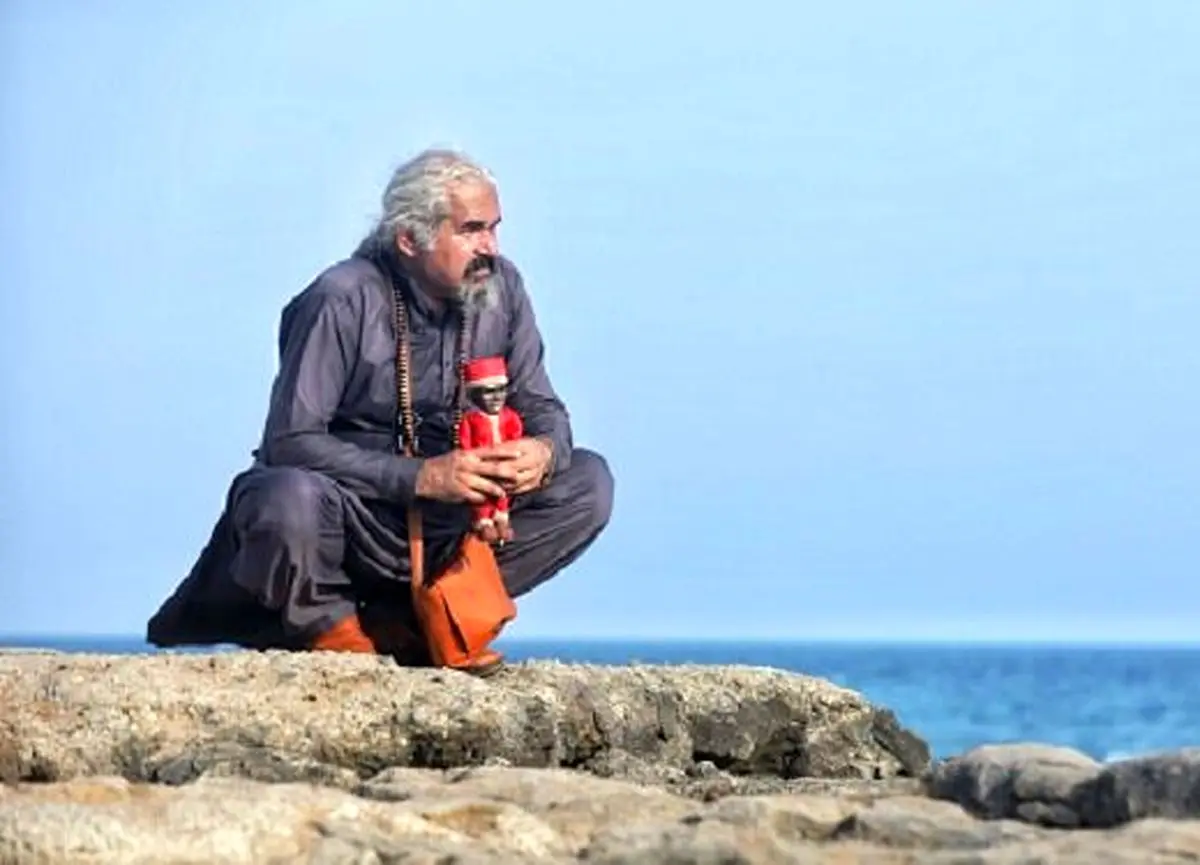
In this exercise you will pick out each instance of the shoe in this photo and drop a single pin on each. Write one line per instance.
(487, 664)
(345, 636)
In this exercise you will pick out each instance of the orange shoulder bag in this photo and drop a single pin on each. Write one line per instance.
(465, 606)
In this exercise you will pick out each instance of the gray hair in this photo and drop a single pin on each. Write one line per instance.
(415, 200)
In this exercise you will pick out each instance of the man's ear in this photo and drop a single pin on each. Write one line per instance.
(406, 244)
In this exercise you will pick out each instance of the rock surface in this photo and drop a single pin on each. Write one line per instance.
(171, 717)
(515, 815)
(323, 759)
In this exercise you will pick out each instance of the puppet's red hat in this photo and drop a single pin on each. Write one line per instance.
(484, 371)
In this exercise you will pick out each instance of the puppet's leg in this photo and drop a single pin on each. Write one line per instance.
(503, 526)
(484, 521)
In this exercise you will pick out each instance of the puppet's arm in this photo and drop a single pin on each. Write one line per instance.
(511, 426)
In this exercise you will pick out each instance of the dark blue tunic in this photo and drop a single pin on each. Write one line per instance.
(333, 404)
(317, 523)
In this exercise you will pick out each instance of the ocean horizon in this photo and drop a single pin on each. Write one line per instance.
(1109, 700)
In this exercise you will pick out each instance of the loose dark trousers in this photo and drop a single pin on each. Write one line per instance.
(294, 552)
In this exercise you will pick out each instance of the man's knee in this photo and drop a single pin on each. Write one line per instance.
(559, 522)
(588, 485)
(292, 504)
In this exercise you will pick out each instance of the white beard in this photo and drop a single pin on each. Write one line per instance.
(481, 295)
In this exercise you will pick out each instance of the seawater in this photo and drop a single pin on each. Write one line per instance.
(1107, 701)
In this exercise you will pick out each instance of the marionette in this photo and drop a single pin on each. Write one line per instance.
(489, 421)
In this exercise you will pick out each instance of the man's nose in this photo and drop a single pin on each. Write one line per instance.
(487, 244)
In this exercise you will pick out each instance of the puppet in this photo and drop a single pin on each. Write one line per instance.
(489, 421)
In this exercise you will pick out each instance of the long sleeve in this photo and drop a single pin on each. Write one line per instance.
(318, 345)
(531, 393)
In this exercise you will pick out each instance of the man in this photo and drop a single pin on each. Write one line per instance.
(311, 549)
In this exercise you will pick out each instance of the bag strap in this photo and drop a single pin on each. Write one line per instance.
(406, 434)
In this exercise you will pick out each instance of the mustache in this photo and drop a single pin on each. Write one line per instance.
(481, 263)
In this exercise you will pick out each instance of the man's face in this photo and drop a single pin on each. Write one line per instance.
(490, 398)
(461, 256)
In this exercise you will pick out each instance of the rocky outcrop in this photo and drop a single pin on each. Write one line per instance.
(274, 758)
(170, 718)
(1061, 787)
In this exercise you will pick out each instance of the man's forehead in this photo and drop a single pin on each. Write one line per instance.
(472, 201)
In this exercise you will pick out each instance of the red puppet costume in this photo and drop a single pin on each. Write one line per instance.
(489, 421)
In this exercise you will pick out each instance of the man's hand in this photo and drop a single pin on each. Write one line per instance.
(527, 459)
(466, 476)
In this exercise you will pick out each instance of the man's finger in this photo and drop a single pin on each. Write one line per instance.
(493, 454)
(508, 449)
(513, 449)
(524, 481)
(527, 483)
(472, 496)
(478, 463)
(504, 471)
(484, 485)
(522, 463)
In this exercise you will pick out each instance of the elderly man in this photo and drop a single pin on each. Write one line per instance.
(311, 550)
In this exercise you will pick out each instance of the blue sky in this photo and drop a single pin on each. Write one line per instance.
(884, 314)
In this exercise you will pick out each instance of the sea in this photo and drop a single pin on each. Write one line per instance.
(1110, 702)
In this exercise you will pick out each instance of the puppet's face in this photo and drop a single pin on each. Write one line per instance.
(490, 398)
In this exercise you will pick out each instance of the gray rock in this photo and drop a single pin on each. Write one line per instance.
(231, 821)
(1143, 843)
(701, 842)
(1033, 782)
(335, 718)
(795, 818)
(573, 803)
(1156, 785)
(1052, 786)
(917, 822)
